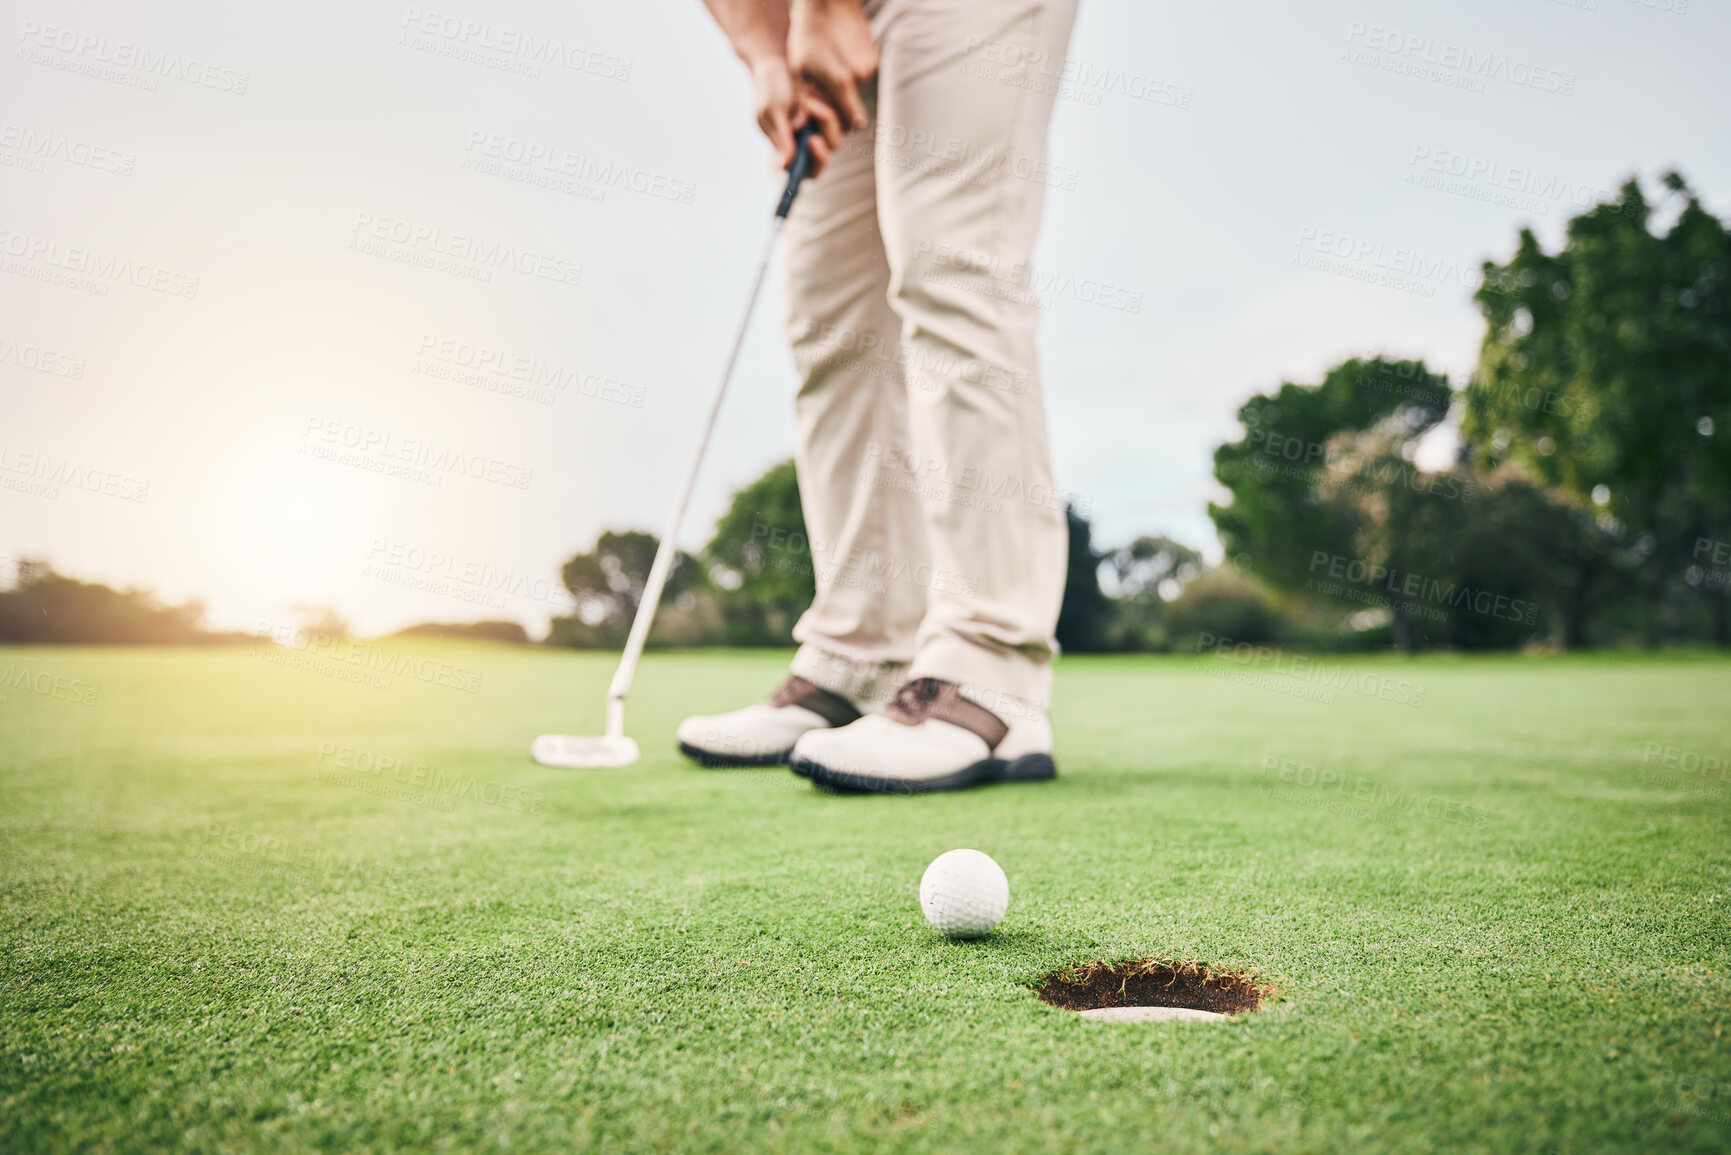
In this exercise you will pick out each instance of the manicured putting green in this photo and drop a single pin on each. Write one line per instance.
(255, 903)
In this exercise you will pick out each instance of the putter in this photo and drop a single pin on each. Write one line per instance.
(576, 752)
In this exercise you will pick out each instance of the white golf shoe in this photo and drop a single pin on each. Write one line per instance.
(928, 738)
(763, 734)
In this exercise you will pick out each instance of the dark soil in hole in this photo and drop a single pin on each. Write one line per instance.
(1152, 984)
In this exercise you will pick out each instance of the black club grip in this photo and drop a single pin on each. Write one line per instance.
(799, 169)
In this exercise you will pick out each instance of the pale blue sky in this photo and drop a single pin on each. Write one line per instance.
(1281, 136)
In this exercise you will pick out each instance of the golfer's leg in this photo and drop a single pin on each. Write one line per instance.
(867, 540)
(962, 176)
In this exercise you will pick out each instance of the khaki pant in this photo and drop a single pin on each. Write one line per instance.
(938, 540)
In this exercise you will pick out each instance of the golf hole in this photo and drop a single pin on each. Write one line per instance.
(1152, 991)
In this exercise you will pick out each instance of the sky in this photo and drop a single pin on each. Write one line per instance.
(252, 351)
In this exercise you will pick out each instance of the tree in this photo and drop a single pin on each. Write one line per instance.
(747, 588)
(1606, 372)
(1498, 571)
(1323, 482)
(1085, 614)
(511, 633)
(1146, 576)
(607, 584)
(760, 560)
(45, 607)
(1225, 604)
(1152, 566)
(1278, 519)
(1339, 513)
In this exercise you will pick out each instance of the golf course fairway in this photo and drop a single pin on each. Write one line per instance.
(257, 900)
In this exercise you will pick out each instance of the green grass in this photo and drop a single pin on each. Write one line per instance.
(1530, 957)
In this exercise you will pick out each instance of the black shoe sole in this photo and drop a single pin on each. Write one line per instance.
(732, 761)
(1029, 768)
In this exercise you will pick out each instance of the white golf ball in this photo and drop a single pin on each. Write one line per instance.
(964, 893)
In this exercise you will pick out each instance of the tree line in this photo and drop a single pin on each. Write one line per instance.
(1588, 501)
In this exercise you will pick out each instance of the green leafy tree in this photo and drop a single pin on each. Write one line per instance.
(1440, 553)
(1293, 440)
(607, 584)
(1085, 614)
(1223, 603)
(512, 633)
(1498, 571)
(760, 560)
(1606, 372)
(1321, 477)
(1152, 566)
(1329, 505)
(1146, 576)
(45, 607)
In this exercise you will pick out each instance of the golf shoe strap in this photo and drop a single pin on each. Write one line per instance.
(924, 698)
(832, 708)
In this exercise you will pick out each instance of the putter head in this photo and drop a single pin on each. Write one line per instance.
(571, 752)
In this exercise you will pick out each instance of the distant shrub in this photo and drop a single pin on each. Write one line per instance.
(45, 608)
(1226, 604)
(510, 632)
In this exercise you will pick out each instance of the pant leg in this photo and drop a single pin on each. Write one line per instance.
(965, 93)
(868, 542)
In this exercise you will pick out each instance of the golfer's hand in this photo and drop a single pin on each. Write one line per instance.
(783, 104)
(830, 48)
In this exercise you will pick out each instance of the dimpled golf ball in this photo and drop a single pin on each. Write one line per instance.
(964, 893)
